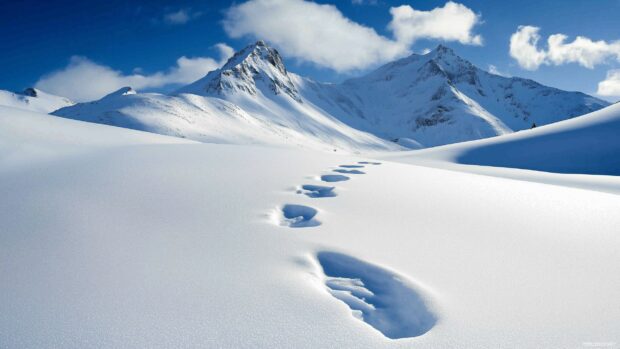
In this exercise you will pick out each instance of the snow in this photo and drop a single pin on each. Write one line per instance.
(571, 151)
(129, 239)
(34, 100)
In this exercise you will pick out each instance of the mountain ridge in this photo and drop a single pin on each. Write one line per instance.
(417, 101)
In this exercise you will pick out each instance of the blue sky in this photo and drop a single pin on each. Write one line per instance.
(134, 39)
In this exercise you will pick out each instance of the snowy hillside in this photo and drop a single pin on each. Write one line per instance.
(249, 100)
(419, 101)
(587, 144)
(34, 100)
(134, 240)
(440, 98)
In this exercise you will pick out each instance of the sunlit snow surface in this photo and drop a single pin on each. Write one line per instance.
(115, 238)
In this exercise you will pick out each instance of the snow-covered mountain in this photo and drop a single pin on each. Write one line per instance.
(251, 99)
(34, 100)
(419, 101)
(440, 98)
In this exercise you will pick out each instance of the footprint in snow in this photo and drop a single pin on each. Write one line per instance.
(298, 216)
(352, 166)
(368, 163)
(317, 191)
(341, 170)
(379, 297)
(334, 178)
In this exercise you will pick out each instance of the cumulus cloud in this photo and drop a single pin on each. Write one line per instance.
(321, 34)
(583, 51)
(181, 16)
(84, 80)
(452, 22)
(523, 47)
(611, 85)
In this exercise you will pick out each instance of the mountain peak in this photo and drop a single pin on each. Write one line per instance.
(251, 69)
(123, 91)
(31, 92)
(253, 54)
(443, 51)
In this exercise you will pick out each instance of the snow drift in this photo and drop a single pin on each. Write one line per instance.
(587, 144)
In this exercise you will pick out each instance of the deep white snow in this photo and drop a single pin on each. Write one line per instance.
(129, 239)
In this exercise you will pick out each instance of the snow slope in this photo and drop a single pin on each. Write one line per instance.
(250, 100)
(588, 144)
(34, 100)
(440, 98)
(130, 244)
(20, 131)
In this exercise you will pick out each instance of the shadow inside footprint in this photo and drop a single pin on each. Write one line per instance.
(317, 191)
(334, 178)
(351, 166)
(341, 170)
(381, 298)
(368, 163)
(299, 216)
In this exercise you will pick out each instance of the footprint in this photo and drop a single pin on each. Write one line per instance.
(368, 163)
(334, 178)
(299, 216)
(317, 191)
(352, 166)
(381, 298)
(341, 170)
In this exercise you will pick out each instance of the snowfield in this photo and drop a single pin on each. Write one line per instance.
(130, 239)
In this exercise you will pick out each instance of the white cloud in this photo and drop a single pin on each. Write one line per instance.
(84, 80)
(582, 50)
(523, 47)
(321, 34)
(181, 16)
(312, 33)
(610, 87)
(452, 22)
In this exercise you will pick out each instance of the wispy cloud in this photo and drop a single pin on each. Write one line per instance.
(181, 16)
(322, 35)
(84, 80)
(582, 50)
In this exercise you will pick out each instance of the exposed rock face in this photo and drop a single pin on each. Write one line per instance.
(256, 67)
